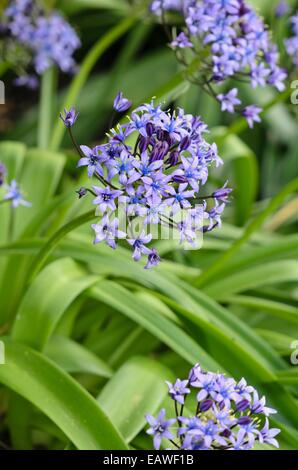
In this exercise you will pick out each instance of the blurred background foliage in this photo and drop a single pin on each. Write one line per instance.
(90, 336)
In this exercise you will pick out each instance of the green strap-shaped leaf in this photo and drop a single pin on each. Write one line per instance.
(40, 177)
(47, 298)
(137, 388)
(76, 6)
(281, 248)
(74, 358)
(277, 309)
(150, 319)
(289, 377)
(12, 155)
(58, 396)
(245, 166)
(257, 276)
(252, 227)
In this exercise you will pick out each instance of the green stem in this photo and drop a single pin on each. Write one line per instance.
(254, 225)
(88, 64)
(11, 224)
(51, 244)
(47, 97)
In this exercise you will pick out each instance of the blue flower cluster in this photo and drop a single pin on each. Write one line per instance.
(49, 38)
(229, 415)
(292, 43)
(12, 193)
(152, 169)
(231, 41)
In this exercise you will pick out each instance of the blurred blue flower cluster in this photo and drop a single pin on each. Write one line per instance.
(231, 41)
(48, 37)
(292, 42)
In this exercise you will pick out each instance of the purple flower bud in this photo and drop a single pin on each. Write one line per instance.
(222, 194)
(121, 104)
(185, 143)
(206, 405)
(244, 420)
(222, 405)
(159, 152)
(70, 117)
(193, 374)
(173, 158)
(143, 144)
(179, 179)
(282, 9)
(149, 129)
(226, 433)
(81, 192)
(242, 405)
(160, 134)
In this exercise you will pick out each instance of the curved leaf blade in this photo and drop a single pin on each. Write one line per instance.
(59, 397)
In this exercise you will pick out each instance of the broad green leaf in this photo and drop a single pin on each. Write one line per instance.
(245, 167)
(56, 287)
(41, 174)
(142, 313)
(252, 227)
(280, 248)
(281, 342)
(267, 274)
(200, 305)
(12, 155)
(104, 262)
(289, 377)
(59, 397)
(277, 309)
(76, 6)
(136, 389)
(74, 358)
